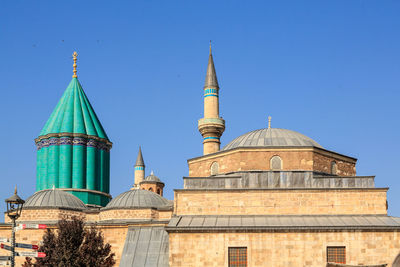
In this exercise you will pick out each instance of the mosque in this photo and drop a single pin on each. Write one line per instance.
(271, 197)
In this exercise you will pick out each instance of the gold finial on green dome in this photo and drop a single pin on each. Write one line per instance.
(269, 121)
(74, 56)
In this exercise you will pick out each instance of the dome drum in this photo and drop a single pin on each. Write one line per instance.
(138, 199)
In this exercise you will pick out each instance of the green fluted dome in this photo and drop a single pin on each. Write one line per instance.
(74, 114)
(74, 150)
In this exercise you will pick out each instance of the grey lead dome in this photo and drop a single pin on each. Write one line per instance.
(138, 198)
(152, 178)
(54, 198)
(272, 137)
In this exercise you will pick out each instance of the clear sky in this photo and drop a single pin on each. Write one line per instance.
(327, 69)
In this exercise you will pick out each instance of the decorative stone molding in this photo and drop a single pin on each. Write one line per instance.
(73, 139)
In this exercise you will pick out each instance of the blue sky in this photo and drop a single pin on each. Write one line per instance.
(327, 69)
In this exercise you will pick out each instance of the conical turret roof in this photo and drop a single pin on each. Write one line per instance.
(211, 76)
(139, 159)
(74, 114)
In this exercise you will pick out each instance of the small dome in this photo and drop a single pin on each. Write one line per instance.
(272, 137)
(54, 198)
(138, 198)
(152, 178)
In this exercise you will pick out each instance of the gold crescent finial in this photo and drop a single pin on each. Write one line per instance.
(74, 56)
(269, 121)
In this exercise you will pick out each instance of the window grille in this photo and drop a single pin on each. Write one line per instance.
(237, 256)
(336, 254)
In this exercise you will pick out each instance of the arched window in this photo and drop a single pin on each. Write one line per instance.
(276, 163)
(214, 168)
(333, 168)
(159, 191)
(151, 189)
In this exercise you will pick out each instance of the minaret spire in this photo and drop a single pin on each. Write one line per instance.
(139, 169)
(212, 125)
(75, 56)
(211, 76)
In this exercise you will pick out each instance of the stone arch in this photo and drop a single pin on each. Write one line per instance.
(151, 189)
(275, 163)
(159, 191)
(333, 168)
(396, 262)
(214, 169)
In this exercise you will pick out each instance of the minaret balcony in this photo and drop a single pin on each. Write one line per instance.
(216, 125)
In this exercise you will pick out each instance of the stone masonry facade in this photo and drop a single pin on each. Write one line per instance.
(280, 202)
(306, 159)
(283, 249)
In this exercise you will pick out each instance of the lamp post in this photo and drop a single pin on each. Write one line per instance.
(14, 208)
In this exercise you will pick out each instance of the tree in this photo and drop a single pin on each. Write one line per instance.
(73, 246)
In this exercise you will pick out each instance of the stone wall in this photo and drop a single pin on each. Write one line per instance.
(306, 159)
(139, 214)
(280, 202)
(322, 163)
(114, 235)
(153, 187)
(277, 179)
(134, 214)
(46, 215)
(301, 249)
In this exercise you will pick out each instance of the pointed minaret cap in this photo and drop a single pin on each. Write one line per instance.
(139, 159)
(211, 76)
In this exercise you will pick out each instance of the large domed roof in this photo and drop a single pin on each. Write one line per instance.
(272, 137)
(138, 198)
(54, 198)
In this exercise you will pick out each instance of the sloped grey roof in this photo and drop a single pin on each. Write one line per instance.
(139, 159)
(145, 246)
(138, 198)
(272, 137)
(283, 222)
(54, 198)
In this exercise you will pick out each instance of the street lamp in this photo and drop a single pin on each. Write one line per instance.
(14, 208)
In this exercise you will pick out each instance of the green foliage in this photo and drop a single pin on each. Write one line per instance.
(73, 246)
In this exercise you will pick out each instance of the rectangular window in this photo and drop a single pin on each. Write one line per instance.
(336, 254)
(237, 256)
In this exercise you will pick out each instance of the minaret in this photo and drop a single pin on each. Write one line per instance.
(139, 169)
(73, 150)
(212, 125)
